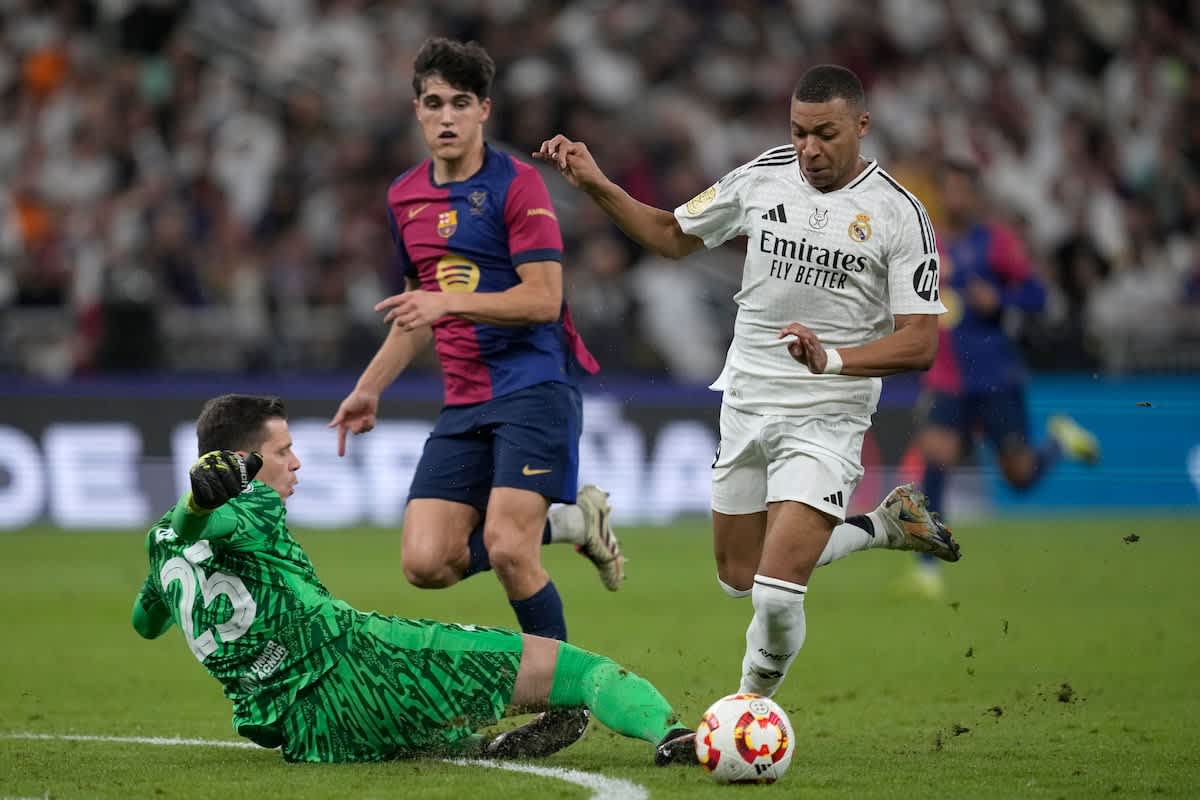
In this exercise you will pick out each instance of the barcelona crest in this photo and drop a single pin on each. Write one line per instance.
(447, 223)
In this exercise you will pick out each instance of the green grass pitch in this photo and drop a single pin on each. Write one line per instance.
(1064, 663)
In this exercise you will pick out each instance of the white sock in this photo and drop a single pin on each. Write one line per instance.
(732, 592)
(775, 635)
(567, 524)
(847, 539)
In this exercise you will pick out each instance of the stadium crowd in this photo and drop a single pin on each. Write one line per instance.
(178, 176)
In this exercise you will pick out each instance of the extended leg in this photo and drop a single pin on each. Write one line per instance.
(796, 536)
(560, 676)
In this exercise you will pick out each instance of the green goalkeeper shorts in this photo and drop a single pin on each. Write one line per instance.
(404, 688)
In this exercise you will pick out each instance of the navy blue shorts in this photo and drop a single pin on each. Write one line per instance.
(525, 440)
(1000, 414)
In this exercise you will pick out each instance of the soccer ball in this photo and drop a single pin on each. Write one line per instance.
(745, 738)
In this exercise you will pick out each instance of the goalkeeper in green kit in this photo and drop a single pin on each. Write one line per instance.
(309, 674)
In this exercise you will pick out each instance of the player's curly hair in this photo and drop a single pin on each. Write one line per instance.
(826, 82)
(237, 421)
(466, 66)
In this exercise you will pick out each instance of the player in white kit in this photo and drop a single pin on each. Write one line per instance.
(839, 288)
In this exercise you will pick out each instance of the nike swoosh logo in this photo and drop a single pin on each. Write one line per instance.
(412, 212)
(530, 471)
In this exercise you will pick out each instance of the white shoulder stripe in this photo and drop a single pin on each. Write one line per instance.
(775, 152)
(776, 156)
(775, 162)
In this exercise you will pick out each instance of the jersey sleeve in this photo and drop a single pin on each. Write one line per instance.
(912, 262)
(717, 214)
(151, 617)
(533, 232)
(191, 523)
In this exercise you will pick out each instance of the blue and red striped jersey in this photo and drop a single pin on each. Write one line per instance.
(975, 353)
(470, 236)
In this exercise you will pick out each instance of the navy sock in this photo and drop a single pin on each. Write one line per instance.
(1048, 455)
(934, 485)
(480, 562)
(479, 555)
(542, 613)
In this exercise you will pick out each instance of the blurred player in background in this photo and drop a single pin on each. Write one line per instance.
(834, 239)
(479, 250)
(977, 382)
(308, 673)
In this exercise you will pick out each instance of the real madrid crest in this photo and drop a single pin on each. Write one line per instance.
(860, 229)
(701, 201)
(447, 223)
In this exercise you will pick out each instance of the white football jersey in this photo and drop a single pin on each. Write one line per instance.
(842, 263)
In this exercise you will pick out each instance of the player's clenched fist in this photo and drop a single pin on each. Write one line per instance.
(573, 160)
(220, 475)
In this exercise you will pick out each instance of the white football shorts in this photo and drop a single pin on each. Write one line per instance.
(815, 460)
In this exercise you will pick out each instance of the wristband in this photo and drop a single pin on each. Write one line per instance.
(833, 362)
(196, 510)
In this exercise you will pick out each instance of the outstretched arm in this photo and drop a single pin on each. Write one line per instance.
(357, 413)
(653, 228)
(216, 478)
(395, 354)
(192, 523)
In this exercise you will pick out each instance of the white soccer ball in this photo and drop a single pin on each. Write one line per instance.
(745, 738)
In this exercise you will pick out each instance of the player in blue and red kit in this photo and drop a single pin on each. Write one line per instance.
(479, 250)
(977, 382)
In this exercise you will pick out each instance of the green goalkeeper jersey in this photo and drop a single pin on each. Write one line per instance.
(247, 601)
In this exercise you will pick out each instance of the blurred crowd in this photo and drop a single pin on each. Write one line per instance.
(200, 186)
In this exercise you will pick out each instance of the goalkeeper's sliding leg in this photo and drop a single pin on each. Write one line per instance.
(556, 675)
(416, 687)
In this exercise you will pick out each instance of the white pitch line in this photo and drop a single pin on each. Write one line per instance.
(602, 788)
(155, 740)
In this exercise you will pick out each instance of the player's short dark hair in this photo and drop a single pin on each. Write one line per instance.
(237, 421)
(466, 66)
(826, 82)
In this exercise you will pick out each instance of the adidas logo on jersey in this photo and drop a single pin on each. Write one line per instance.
(776, 214)
(835, 499)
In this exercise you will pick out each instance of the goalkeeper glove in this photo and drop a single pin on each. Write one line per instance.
(221, 475)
